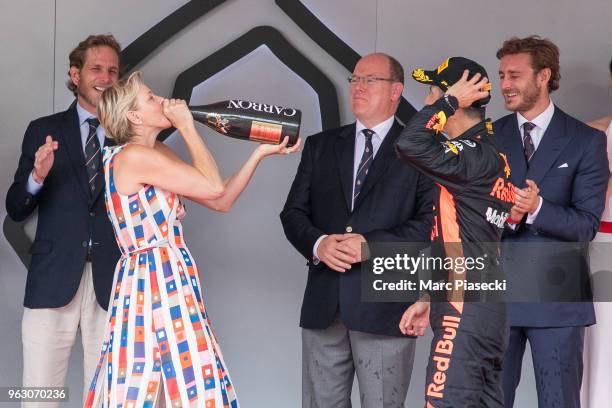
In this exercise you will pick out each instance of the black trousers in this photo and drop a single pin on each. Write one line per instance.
(467, 350)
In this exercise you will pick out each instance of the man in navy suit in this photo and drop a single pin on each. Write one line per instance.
(560, 167)
(74, 252)
(351, 188)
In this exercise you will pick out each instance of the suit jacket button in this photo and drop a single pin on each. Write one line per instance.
(84, 244)
(349, 229)
(92, 214)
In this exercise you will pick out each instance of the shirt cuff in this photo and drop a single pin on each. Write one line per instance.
(315, 259)
(33, 187)
(532, 217)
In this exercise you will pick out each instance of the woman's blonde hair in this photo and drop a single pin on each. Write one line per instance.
(115, 104)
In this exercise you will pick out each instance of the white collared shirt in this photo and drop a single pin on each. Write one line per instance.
(541, 123)
(380, 132)
(84, 127)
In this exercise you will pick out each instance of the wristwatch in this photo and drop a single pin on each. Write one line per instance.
(451, 101)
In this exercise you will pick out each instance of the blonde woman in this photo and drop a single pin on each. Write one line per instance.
(159, 335)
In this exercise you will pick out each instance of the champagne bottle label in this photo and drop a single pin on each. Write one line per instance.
(215, 121)
(266, 132)
(260, 122)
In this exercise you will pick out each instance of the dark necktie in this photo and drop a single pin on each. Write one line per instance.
(364, 164)
(93, 156)
(528, 145)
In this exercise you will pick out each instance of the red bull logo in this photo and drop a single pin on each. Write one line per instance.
(503, 190)
(442, 356)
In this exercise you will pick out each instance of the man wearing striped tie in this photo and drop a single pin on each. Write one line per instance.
(561, 166)
(351, 188)
(74, 253)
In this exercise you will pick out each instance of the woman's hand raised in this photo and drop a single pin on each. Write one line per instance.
(178, 113)
(265, 150)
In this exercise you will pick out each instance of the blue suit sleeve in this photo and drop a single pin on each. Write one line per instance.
(20, 203)
(296, 215)
(579, 221)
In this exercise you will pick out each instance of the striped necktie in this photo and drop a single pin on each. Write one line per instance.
(364, 164)
(93, 156)
(528, 145)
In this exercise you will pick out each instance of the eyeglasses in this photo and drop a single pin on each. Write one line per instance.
(366, 80)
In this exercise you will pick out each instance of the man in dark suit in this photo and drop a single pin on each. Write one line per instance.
(350, 188)
(74, 253)
(560, 167)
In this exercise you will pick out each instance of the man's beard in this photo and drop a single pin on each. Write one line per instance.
(531, 95)
(83, 95)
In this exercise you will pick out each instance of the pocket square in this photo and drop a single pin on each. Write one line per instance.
(563, 166)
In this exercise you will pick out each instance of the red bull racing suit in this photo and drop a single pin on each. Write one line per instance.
(472, 205)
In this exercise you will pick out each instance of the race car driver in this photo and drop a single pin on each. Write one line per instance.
(450, 141)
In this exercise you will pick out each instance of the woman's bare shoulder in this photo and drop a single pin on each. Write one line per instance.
(166, 150)
(135, 152)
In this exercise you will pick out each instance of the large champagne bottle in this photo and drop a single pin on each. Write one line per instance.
(259, 122)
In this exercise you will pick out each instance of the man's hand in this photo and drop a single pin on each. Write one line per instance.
(416, 318)
(527, 199)
(354, 241)
(516, 215)
(334, 253)
(43, 160)
(468, 92)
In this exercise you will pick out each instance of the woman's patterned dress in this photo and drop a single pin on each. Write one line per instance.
(158, 329)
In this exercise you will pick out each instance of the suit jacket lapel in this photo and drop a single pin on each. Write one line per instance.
(513, 146)
(345, 154)
(380, 163)
(552, 144)
(71, 140)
